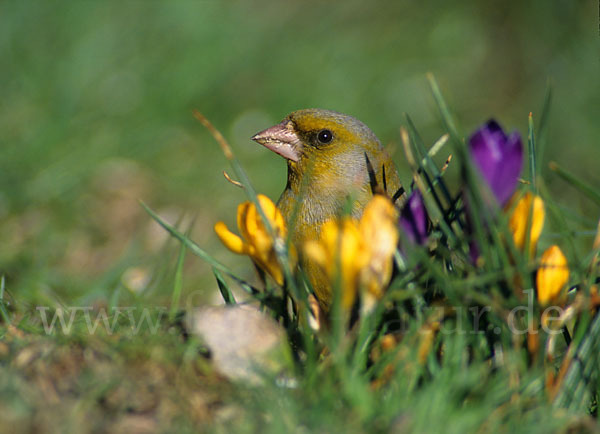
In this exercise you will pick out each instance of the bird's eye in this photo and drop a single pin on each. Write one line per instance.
(325, 136)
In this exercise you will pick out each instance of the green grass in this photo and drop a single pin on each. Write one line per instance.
(475, 375)
(97, 114)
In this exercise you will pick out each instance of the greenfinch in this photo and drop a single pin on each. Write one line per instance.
(326, 155)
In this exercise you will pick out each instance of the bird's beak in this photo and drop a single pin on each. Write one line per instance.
(281, 139)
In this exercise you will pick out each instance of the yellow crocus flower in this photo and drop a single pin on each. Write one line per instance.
(358, 253)
(552, 275)
(378, 227)
(255, 241)
(339, 252)
(521, 215)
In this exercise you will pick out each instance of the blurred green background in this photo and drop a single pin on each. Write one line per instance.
(97, 98)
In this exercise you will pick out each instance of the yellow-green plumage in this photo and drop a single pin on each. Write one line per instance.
(323, 175)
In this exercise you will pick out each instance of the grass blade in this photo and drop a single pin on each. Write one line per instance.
(226, 293)
(178, 284)
(194, 248)
(543, 124)
(3, 310)
(580, 185)
(443, 107)
(435, 213)
(198, 251)
(532, 153)
(426, 156)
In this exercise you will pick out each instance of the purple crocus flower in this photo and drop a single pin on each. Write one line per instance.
(413, 218)
(499, 158)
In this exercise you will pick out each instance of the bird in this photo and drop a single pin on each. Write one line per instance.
(332, 159)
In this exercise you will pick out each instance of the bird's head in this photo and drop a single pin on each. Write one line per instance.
(323, 142)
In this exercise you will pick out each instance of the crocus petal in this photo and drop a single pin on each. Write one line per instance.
(379, 233)
(343, 241)
(340, 254)
(413, 218)
(257, 233)
(256, 230)
(520, 217)
(485, 146)
(272, 267)
(274, 216)
(242, 213)
(255, 241)
(499, 159)
(316, 252)
(552, 275)
(377, 225)
(231, 240)
(353, 259)
(507, 175)
(357, 254)
(269, 209)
